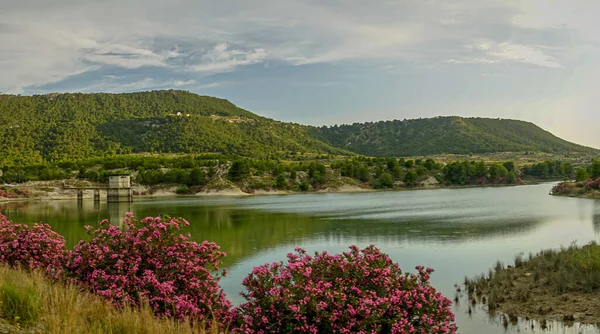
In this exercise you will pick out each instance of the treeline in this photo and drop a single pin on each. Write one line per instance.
(195, 172)
(98, 169)
(590, 172)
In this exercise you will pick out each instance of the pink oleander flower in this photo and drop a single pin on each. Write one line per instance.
(150, 259)
(30, 247)
(360, 291)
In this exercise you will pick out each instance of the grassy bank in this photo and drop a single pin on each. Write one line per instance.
(30, 304)
(561, 285)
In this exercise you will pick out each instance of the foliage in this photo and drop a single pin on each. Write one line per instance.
(550, 285)
(591, 184)
(549, 169)
(440, 135)
(149, 259)
(183, 190)
(55, 127)
(569, 269)
(239, 170)
(498, 171)
(511, 177)
(510, 166)
(281, 182)
(357, 291)
(66, 309)
(35, 247)
(385, 180)
(14, 193)
(568, 189)
(18, 304)
(581, 175)
(594, 169)
(410, 178)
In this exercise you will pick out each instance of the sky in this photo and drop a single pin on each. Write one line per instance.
(321, 62)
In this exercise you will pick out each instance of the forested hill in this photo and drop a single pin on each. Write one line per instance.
(445, 135)
(55, 127)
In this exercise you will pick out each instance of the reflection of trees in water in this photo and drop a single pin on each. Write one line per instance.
(242, 233)
(9, 206)
(430, 231)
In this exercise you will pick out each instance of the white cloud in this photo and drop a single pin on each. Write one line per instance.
(495, 53)
(525, 54)
(124, 56)
(44, 42)
(223, 59)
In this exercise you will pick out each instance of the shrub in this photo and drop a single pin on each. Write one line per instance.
(183, 190)
(150, 259)
(591, 184)
(565, 188)
(304, 186)
(21, 305)
(14, 193)
(357, 291)
(581, 174)
(32, 247)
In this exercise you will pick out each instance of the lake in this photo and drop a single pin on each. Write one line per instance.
(458, 232)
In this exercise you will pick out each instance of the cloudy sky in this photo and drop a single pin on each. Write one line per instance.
(321, 61)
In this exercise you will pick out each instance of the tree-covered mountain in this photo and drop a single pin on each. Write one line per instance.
(442, 135)
(55, 127)
(58, 127)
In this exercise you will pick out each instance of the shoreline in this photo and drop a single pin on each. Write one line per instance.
(580, 196)
(168, 192)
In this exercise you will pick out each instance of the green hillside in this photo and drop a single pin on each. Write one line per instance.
(55, 127)
(442, 135)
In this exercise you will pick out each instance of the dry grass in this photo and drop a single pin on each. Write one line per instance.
(65, 309)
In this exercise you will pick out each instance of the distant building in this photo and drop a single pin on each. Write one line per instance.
(119, 188)
(119, 181)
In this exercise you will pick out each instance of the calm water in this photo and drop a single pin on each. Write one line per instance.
(457, 232)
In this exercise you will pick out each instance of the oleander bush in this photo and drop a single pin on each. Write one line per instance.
(30, 247)
(150, 260)
(592, 184)
(14, 193)
(355, 292)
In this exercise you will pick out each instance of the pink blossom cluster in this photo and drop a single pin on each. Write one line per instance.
(361, 291)
(35, 247)
(592, 184)
(15, 194)
(150, 259)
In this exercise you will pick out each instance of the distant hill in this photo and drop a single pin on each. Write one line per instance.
(54, 127)
(441, 135)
